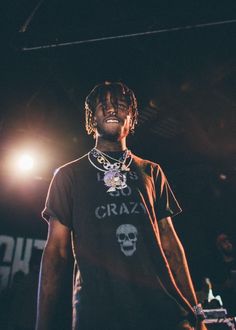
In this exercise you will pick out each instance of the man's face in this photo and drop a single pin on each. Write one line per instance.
(112, 120)
(225, 245)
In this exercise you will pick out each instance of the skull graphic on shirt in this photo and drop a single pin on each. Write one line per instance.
(127, 236)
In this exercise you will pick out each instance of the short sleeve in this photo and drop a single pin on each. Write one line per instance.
(59, 198)
(166, 203)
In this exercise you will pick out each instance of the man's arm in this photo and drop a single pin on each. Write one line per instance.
(176, 258)
(175, 255)
(54, 269)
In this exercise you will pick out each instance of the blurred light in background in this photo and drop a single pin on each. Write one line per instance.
(25, 162)
(223, 176)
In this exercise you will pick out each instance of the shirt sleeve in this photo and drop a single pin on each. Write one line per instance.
(166, 203)
(59, 199)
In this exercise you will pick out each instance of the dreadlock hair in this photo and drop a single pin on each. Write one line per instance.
(99, 93)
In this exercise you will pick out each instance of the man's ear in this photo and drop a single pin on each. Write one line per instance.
(94, 123)
(132, 120)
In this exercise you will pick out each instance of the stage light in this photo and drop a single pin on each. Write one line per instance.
(25, 162)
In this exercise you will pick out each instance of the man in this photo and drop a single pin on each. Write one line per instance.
(225, 248)
(132, 271)
(224, 279)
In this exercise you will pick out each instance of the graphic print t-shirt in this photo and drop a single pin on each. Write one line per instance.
(114, 241)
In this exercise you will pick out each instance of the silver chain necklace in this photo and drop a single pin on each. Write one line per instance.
(114, 176)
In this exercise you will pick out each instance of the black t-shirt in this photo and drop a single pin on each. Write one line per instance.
(115, 242)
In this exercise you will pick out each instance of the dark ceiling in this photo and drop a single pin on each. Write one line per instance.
(178, 57)
(184, 78)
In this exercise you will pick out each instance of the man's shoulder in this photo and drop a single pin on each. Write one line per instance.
(73, 165)
(141, 162)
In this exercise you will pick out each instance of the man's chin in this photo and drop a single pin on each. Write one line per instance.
(111, 135)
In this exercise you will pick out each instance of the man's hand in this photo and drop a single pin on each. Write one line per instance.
(200, 326)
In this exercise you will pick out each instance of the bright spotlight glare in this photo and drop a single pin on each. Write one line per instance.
(26, 162)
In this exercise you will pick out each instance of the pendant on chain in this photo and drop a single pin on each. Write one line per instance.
(113, 176)
(114, 179)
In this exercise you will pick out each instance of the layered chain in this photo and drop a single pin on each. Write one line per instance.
(114, 169)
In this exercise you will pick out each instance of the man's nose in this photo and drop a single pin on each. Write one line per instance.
(110, 109)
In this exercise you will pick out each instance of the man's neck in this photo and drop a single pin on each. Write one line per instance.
(227, 258)
(109, 145)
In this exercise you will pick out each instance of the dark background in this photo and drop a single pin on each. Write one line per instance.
(185, 83)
